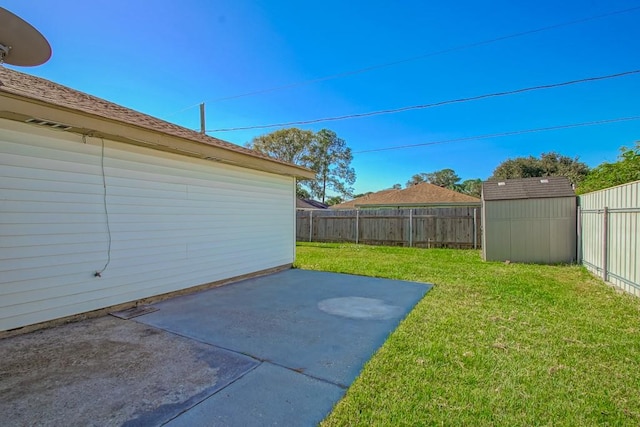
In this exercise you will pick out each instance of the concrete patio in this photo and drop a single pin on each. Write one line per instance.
(274, 350)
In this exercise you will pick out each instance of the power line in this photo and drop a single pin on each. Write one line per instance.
(502, 134)
(425, 55)
(432, 105)
(184, 109)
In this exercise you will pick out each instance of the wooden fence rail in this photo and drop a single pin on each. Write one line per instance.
(450, 227)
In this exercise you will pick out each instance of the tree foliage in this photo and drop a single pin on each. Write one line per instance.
(446, 178)
(302, 193)
(416, 179)
(549, 164)
(334, 200)
(626, 169)
(330, 158)
(470, 187)
(355, 196)
(323, 152)
(289, 145)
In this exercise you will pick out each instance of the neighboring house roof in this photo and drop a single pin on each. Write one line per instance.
(527, 188)
(42, 94)
(373, 198)
(309, 204)
(419, 194)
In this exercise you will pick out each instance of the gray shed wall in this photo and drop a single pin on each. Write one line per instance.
(530, 230)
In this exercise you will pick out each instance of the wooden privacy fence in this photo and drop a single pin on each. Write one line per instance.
(450, 227)
(609, 235)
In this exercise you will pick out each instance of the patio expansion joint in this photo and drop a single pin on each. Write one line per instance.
(258, 359)
(215, 392)
(189, 337)
(301, 372)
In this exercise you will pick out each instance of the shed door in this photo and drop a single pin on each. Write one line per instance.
(533, 230)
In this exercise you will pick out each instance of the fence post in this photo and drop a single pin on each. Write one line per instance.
(357, 225)
(310, 225)
(475, 228)
(605, 243)
(410, 227)
(579, 235)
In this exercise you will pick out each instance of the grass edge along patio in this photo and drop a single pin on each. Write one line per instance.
(492, 343)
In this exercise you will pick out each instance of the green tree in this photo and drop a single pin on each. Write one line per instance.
(520, 167)
(289, 145)
(322, 152)
(549, 164)
(471, 187)
(417, 179)
(355, 196)
(446, 178)
(302, 193)
(331, 159)
(554, 164)
(334, 200)
(626, 169)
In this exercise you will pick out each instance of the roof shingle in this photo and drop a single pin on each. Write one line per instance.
(423, 193)
(527, 188)
(39, 89)
(309, 204)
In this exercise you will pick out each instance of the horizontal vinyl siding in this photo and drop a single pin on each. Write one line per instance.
(176, 222)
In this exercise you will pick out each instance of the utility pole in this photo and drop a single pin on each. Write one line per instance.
(202, 125)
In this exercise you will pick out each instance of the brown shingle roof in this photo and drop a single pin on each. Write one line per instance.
(423, 193)
(309, 204)
(39, 89)
(527, 188)
(371, 199)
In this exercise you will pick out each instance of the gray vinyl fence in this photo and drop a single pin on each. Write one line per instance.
(450, 227)
(609, 235)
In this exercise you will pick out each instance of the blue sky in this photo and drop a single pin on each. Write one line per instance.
(164, 57)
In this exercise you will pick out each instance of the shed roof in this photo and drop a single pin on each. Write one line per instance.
(527, 188)
(423, 193)
(20, 86)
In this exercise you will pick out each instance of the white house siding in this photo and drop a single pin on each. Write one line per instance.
(176, 222)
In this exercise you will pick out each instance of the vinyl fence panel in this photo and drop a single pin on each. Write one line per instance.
(609, 227)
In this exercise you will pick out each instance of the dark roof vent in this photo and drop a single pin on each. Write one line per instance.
(50, 124)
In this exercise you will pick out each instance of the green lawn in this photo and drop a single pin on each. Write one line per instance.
(492, 344)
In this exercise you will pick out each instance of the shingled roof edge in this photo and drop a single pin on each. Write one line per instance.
(18, 85)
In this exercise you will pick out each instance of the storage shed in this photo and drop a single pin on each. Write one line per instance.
(529, 220)
(102, 206)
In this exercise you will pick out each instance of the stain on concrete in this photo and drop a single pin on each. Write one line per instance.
(360, 308)
(196, 361)
(108, 372)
